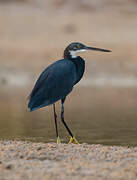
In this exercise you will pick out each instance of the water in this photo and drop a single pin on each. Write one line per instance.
(95, 115)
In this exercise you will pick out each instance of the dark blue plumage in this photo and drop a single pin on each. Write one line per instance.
(58, 80)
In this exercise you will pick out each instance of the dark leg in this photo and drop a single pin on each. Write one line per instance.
(72, 139)
(55, 118)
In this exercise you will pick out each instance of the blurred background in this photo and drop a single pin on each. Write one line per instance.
(103, 107)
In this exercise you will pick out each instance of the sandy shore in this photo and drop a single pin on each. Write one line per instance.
(26, 160)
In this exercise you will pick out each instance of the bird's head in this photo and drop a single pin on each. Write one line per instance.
(76, 47)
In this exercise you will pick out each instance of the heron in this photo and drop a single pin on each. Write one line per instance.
(58, 80)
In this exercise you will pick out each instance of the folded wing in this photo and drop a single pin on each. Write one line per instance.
(55, 83)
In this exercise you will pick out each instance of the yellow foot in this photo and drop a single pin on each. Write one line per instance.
(58, 140)
(73, 140)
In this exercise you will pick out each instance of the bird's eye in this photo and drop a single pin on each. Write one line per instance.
(78, 46)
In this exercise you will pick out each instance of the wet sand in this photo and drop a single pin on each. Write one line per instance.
(37, 161)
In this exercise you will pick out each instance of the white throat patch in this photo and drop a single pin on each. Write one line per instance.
(73, 53)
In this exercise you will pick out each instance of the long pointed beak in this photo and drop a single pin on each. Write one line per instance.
(97, 49)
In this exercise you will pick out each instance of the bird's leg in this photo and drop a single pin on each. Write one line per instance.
(72, 138)
(55, 117)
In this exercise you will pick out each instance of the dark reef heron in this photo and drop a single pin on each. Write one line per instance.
(58, 80)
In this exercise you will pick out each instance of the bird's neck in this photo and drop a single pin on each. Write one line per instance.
(68, 54)
(80, 67)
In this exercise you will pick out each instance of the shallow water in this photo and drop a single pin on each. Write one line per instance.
(95, 115)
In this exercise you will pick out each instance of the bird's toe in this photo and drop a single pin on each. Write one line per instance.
(73, 140)
(58, 140)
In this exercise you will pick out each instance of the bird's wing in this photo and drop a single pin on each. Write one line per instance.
(54, 83)
(43, 76)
